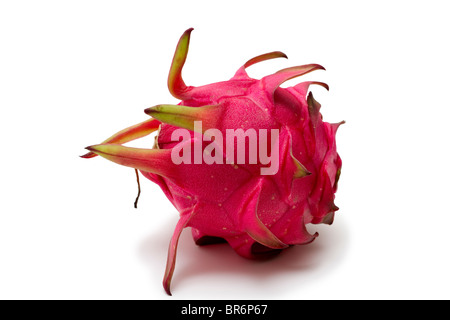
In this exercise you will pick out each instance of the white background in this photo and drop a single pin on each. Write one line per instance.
(74, 72)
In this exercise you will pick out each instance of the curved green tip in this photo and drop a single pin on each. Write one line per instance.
(264, 57)
(176, 85)
(184, 116)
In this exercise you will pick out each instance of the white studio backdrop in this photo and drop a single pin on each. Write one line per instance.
(74, 72)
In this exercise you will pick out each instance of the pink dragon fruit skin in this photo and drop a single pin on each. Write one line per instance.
(258, 215)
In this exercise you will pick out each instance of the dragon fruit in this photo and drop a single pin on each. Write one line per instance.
(257, 207)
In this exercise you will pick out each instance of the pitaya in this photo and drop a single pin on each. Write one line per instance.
(257, 212)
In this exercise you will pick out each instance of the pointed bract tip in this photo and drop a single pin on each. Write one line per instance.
(166, 285)
(310, 98)
(152, 110)
(88, 155)
(328, 219)
(91, 149)
(156, 161)
(301, 170)
(322, 84)
(302, 69)
(180, 116)
(303, 87)
(313, 105)
(264, 57)
(129, 134)
(242, 74)
(184, 116)
(186, 34)
(318, 67)
(273, 81)
(95, 150)
(335, 126)
(175, 82)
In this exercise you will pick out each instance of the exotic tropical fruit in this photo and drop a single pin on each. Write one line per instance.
(243, 160)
